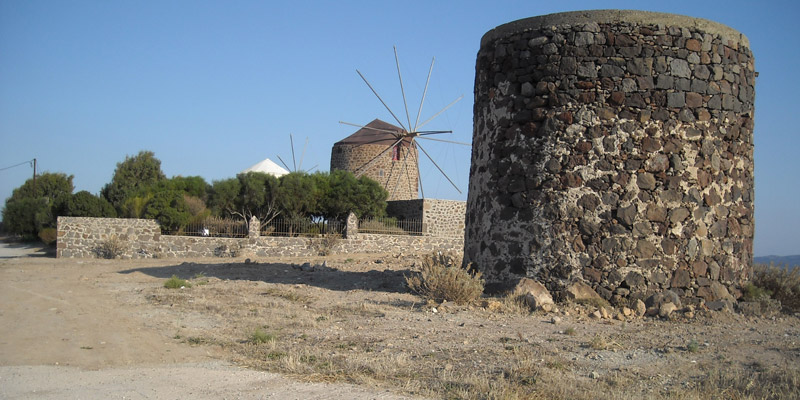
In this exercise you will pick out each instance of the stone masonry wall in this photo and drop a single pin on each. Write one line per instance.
(616, 148)
(139, 238)
(399, 177)
(441, 218)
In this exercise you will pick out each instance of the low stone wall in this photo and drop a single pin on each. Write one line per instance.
(440, 218)
(140, 238)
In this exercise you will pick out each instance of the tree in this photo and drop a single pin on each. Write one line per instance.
(170, 209)
(194, 186)
(343, 193)
(222, 196)
(32, 206)
(297, 195)
(251, 194)
(85, 204)
(135, 173)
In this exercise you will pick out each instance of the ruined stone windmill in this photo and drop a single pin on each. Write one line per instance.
(387, 153)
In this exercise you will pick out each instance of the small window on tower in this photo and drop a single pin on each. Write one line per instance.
(396, 153)
(380, 173)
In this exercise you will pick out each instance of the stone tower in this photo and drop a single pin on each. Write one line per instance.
(615, 148)
(375, 152)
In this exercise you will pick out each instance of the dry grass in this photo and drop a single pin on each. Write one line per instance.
(441, 278)
(386, 340)
(783, 284)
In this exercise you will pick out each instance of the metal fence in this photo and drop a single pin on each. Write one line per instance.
(213, 227)
(390, 226)
(302, 227)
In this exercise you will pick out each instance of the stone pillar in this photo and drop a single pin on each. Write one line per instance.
(254, 228)
(351, 227)
(616, 148)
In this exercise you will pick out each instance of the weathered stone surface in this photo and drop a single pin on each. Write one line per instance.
(580, 291)
(656, 126)
(141, 238)
(534, 293)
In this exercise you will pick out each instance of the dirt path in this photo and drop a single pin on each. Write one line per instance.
(66, 332)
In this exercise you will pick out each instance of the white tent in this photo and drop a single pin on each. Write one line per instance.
(269, 167)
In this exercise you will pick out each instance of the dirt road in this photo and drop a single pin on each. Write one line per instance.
(65, 332)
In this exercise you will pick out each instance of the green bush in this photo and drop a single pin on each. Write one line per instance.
(260, 337)
(441, 278)
(176, 283)
(170, 209)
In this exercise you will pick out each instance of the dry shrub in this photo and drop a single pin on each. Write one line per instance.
(48, 235)
(441, 277)
(782, 282)
(324, 244)
(110, 248)
(777, 383)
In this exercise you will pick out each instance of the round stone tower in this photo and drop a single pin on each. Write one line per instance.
(614, 148)
(374, 152)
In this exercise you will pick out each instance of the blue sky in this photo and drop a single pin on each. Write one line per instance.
(214, 87)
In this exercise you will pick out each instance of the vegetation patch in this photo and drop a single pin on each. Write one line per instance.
(782, 282)
(176, 283)
(441, 278)
(260, 337)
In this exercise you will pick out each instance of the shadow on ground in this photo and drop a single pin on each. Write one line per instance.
(313, 275)
(15, 249)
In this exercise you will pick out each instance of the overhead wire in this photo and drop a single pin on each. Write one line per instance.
(17, 165)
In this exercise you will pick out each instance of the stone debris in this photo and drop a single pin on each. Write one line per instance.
(535, 295)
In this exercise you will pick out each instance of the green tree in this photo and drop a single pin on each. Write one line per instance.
(223, 195)
(194, 186)
(131, 176)
(33, 205)
(297, 195)
(343, 193)
(170, 209)
(251, 194)
(85, 204)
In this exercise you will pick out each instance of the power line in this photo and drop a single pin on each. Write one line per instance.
(17, 165)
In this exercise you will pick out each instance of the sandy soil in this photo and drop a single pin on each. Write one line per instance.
(345, 329)
(81, 329)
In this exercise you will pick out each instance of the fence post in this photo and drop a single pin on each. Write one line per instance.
(351, 226)
(254, 228)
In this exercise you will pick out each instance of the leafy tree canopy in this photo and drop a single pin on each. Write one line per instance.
(138, 172)
(170, 209)
(85, 204)
(31, 206)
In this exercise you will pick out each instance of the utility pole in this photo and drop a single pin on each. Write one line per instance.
(34, 177)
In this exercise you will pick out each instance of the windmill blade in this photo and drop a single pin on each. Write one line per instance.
(440, 169)
(369, 163)
(376, 141)
(402, 90)
(424, 92)
(382, 102)
(291, 140)
(419, 177)
(395, 133)
(284, 163)
(442, 110)
(423, 133)
(446, 141)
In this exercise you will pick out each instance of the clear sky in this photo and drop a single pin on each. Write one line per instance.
(214, 87)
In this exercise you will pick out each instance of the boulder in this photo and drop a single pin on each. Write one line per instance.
(579, 291)
(535, 294)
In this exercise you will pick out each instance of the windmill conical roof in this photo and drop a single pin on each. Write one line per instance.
(269, 167)
(375, 133)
